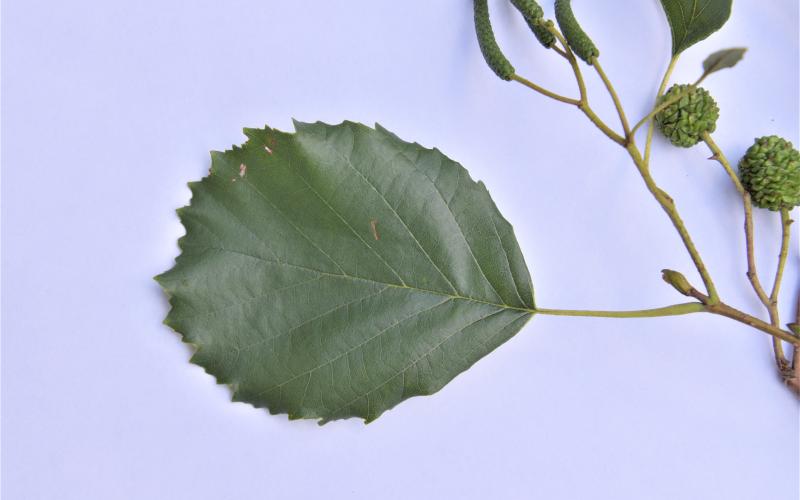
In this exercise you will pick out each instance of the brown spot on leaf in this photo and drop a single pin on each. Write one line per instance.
(373, 224)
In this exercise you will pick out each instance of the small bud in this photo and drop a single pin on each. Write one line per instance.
(677, 280)
(794, 327)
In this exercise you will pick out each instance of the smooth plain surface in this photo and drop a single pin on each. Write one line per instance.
(109, 108)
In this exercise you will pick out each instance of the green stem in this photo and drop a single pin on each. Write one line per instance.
(770, 302)
(700, 80)
(723, 160)
(668, 204)
(673, 310)
(796, 353)
(614, 97)
(752, 273)
(774, 312)
(658, 109)
(786, 223)
(560, 51)
(583, 103)
(729, 312)
(724, 309)
(649, 142)
(572, 60)
(544, 91)
(587, 110)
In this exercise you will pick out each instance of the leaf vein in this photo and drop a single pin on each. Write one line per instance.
(402, 221)
(412, 364)
(360, 345)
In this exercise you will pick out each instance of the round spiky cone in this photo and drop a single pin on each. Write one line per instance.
(684, 121)
(770, 172)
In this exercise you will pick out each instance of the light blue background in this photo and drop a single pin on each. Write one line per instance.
(109, 108)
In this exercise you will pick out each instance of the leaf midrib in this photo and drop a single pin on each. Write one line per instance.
(360, 278)
(694, 16)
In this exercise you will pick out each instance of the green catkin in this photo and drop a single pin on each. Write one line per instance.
(578, 40)
(534, 16)
(489, 48)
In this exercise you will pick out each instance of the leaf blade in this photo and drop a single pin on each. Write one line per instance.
(692, 21)
(338, 271)
(722, 59)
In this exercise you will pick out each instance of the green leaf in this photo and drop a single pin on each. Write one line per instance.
(339, 270)
(694, 20)
(726, 58)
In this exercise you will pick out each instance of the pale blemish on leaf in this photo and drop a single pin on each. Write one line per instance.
(242, 170)
(373, 224)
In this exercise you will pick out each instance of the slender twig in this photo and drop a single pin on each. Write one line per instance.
(544, 91)
(792, 376)
(599, 123)
(723, 160)
(663, 199)
(786, 223)
(673, 310)
(656, 110)
(772, 306)
(796, 353)
(752, 274)
(572, 61)
(614, 96)
(583, 104)
(724, 309)
(668, 205)
(661, 89)
(560, 51)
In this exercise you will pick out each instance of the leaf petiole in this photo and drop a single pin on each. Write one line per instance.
(544, 91)
(614, 96)
(673, 310)
(662, 88)
(656, 110)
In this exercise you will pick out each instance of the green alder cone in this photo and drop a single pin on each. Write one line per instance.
(770, 172)
(684, 122)
(337, 271)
